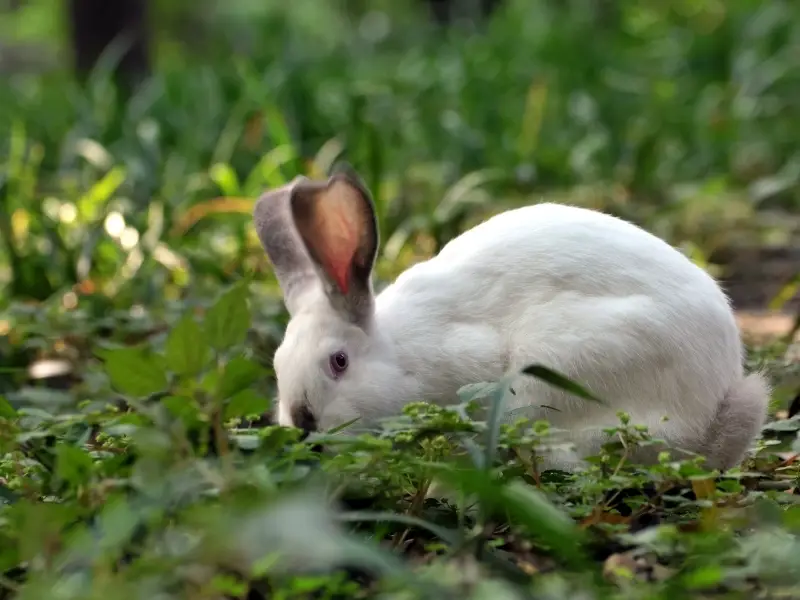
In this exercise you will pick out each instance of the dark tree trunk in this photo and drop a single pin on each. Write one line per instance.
(488, 7)
(96, 24)
(440, 10)
(445, 12)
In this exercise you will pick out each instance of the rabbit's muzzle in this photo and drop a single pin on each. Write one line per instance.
(304, 419)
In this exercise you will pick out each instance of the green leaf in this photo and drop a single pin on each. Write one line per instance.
(473, 451)
(117, 523)
(450, 536)
(228, 586)
(209, 381)
(225, 177)
(187, 350)
(267, 173)
(106, 539)
(246, 403)
(530, 507)
(134, 373)
(526, 507)
(342, 426)
(100, 193)
(477, 391)
(705, 577)
(559, 381)
(6, 410)
(183, 408)
(39, 523)
(73, 464)
(792, 424)
(239, 373)
(496, 410)
(227, 322)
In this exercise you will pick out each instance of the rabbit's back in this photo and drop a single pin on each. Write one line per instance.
(585, 293)
(535, 255)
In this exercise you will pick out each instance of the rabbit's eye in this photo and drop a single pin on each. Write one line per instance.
(339, 362)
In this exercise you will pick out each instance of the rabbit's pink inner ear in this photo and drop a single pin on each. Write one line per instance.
(337, 231)
(337, 251)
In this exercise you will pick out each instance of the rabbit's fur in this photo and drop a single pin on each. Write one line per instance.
(587, 294)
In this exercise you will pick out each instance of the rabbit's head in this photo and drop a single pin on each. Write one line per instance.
(332, 365)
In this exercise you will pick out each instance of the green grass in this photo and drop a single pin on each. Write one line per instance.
(128, 256)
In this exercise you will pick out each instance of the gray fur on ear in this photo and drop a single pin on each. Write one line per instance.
(322, 233)
(275, 227)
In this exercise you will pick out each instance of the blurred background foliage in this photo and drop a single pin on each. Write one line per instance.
(679, 114)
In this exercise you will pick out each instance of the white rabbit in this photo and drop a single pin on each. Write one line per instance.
(592, 296)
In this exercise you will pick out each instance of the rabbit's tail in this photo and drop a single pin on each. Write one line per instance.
(739, 419)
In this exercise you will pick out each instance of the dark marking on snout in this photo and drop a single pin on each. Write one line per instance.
(304, 419)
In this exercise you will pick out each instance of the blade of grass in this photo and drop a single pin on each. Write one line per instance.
(450, 536)
(497, 398)
(559, 381)
(526, 507)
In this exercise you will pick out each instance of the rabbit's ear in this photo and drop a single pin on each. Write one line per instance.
(273, 221)
(336, 221)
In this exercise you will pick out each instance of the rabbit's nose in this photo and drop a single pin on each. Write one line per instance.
(304, 419)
